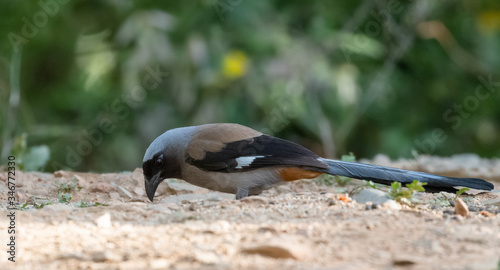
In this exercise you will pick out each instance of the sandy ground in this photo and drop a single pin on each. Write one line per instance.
(301, 225)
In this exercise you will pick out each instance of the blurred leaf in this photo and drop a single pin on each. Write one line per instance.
(36, 158)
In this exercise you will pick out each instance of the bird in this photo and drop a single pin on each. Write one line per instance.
(233, 158)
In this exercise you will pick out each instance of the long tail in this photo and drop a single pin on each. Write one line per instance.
(387, 175)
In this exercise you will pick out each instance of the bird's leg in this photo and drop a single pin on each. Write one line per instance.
(241, 193)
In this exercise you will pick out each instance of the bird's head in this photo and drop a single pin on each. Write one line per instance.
(154, 173)
(163, 158)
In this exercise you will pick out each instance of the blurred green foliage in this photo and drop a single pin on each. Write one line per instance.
(99, 80)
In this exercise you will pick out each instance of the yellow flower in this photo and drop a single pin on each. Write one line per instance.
(234, 64)
(489, 21)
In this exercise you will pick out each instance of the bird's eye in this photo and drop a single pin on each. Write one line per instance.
(159, 163)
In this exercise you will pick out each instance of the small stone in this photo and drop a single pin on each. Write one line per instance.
(205, 257)
(332, 202)
(266, 230)
(114, 195)
(139, 191)
(270, 251)
(391, 204)
(124, 192)
(72, 256)
(159, 264)
(402, 260)
(178, 188)
(461, 208)
(61, 173)
(104, 256)
(101, 187)
(371, 195)
(104, 221)
(448, 212)
(281, 247)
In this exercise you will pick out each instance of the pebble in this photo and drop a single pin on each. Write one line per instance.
(270, 251)
(72, 255)
(104, 221)
(448, 212)
(124, 192)
(114, 195)
(101, 187)
(461, 208)
(371, 195)
(391, 204)
(178, 188)
(205, 257)
(104, 256)
(281, 248)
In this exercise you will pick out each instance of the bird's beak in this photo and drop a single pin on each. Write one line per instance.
(151, 185)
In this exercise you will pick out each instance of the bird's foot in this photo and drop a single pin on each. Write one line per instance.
(241, 193)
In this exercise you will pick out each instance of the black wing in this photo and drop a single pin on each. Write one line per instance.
(266, 151)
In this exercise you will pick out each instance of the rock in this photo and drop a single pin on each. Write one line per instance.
(124, 192)
(60, 174)
(101, 187)
(178, 188)
(137, 175)
(206, 257)
(281, 247)
(382, 160)
(114, 195)
(159, 264)
(270, 251)
(371, 195)
(461, 208)
(104, 221)
(404, 260)
(105, 256)
(391, 204)
(139, 191)
(72, 256)
(267, 230)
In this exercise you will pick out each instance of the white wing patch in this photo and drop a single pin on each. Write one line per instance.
(246, 161)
